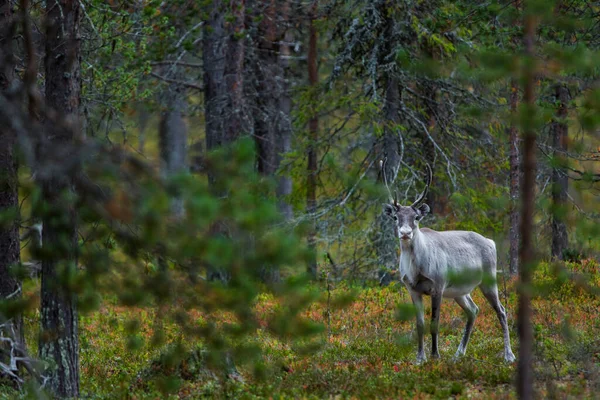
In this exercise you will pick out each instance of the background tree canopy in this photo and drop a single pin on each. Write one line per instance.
(191, 194)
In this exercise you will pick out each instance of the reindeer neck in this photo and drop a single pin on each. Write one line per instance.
(415, 244)
(413, 260)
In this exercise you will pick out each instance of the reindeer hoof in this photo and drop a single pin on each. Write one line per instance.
(435, 356)
(509, 357)
(421, 359)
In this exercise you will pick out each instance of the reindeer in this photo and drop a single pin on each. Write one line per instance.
(444, 264)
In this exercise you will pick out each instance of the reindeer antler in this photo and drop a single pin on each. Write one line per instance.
(393, 199)
(424, 194)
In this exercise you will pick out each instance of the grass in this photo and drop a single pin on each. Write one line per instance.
(367, 351)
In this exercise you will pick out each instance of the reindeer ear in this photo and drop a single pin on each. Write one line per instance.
(389, 209)
(422, 211)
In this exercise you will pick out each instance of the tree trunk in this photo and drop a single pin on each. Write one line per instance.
(215, 100)
(223, 56)
(429, 93)
(236, 124)
(527, 257)
(560, 180)
(515, 178)
(313, 135)
(272, 122)
(173, 140)
(267, 76)
(59, 336)
(284, 117)
(213, 54)
(386, 241)
(272, 125)
(225, 114)
(10, 251)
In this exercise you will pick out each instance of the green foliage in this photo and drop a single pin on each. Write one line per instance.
(138, 259)
(571, 281)
(114, 65)
(367, 351)
(155, 326)
(480, 211)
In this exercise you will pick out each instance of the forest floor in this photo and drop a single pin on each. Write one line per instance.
(368, 351)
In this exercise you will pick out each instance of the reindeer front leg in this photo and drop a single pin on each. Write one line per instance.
(436, 303)
(417, 300)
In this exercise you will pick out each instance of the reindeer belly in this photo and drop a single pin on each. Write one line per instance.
(454, 292)
(461, 285)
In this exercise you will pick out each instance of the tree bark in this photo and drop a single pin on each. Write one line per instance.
(266, 74)
(515, 178)
(429, 93)
(173, 140)
(223, 56)
(225, 111)
(215, 100)
(237, 122)
(560, 180)
(284, 117)
(313, 136)
(526, 255)
(7, 59)
(387, 240)
(272, 122)
(59, 319)
(10, 251)
(213, 54)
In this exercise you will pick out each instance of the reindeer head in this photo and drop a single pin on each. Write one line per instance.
(406, 218)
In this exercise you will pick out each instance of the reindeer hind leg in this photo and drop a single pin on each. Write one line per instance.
(491, 294)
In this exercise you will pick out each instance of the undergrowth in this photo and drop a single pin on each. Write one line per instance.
(364, 351)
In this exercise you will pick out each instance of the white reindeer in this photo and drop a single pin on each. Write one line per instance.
(445, 264)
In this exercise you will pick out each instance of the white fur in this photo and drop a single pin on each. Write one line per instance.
(438, 255)
(447, 264)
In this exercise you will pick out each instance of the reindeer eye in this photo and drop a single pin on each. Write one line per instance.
(395, 217)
